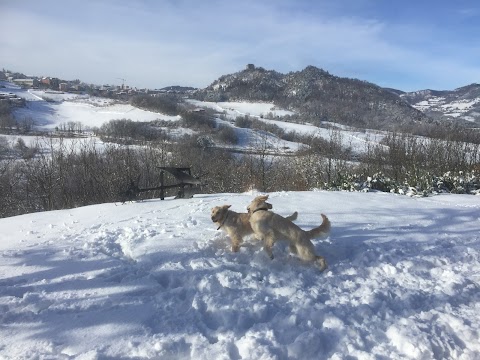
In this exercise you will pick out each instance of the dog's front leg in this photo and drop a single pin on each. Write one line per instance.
(293, 249)
(321, 263)
(268, 242)
(236, 241)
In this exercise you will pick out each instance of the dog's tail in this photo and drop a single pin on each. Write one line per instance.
(321, 231)
(292, 217)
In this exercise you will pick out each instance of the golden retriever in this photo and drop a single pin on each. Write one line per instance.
(270, 227)
(236, 225)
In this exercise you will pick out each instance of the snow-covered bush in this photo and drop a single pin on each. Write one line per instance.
(419, 185)
(458, 183)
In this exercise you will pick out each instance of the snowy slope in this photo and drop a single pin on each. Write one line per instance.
(357, 140)
(241, 108)
(253, 140)
(48, 115)
(65, 107)
(157, 280)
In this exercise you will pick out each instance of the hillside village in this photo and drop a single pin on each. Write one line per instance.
(78, 87)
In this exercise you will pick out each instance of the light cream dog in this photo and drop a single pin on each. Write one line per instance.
(270, 227)
(236, 225)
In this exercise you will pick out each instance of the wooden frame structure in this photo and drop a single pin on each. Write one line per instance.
(182, 175)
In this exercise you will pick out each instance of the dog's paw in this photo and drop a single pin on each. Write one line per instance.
(321, 263)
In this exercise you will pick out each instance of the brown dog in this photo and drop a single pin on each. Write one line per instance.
(236, 225)
(270, 227)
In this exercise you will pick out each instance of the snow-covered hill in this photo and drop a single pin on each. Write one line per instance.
(315, 94)
(155, 279)
(462, 103)
(49, 110)
(95, 111)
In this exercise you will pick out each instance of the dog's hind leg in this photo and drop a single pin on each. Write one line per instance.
(306, 251)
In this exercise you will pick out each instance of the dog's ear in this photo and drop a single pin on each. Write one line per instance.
(227, 206)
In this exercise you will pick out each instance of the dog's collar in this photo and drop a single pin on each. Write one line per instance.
(224, 219)
(254, 211)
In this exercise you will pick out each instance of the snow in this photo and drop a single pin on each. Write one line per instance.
(241, 108)
(64, 108)
(457, 108)
(155, 279)
(357, 140)
(47, 144)
(48, 115)
(252, 140)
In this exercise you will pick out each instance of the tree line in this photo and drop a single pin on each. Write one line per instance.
(60, 173)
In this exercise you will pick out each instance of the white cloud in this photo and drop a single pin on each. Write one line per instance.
(156, 44)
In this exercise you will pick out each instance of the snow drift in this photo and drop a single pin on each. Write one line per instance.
(155, 279)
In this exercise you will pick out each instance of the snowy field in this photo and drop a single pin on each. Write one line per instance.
(87, 110)
(156, 280)
(233, 109)
(47, 115)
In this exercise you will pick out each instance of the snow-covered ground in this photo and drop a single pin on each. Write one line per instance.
(256, 141)
(65, 108)
(241, 108)
(156, 280)
(49, 115)
(46, 144)
(357, 140)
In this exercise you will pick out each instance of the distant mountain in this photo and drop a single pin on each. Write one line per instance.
(315, 95)
(461, 104)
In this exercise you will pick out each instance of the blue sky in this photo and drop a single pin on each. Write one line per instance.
(407, 45)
